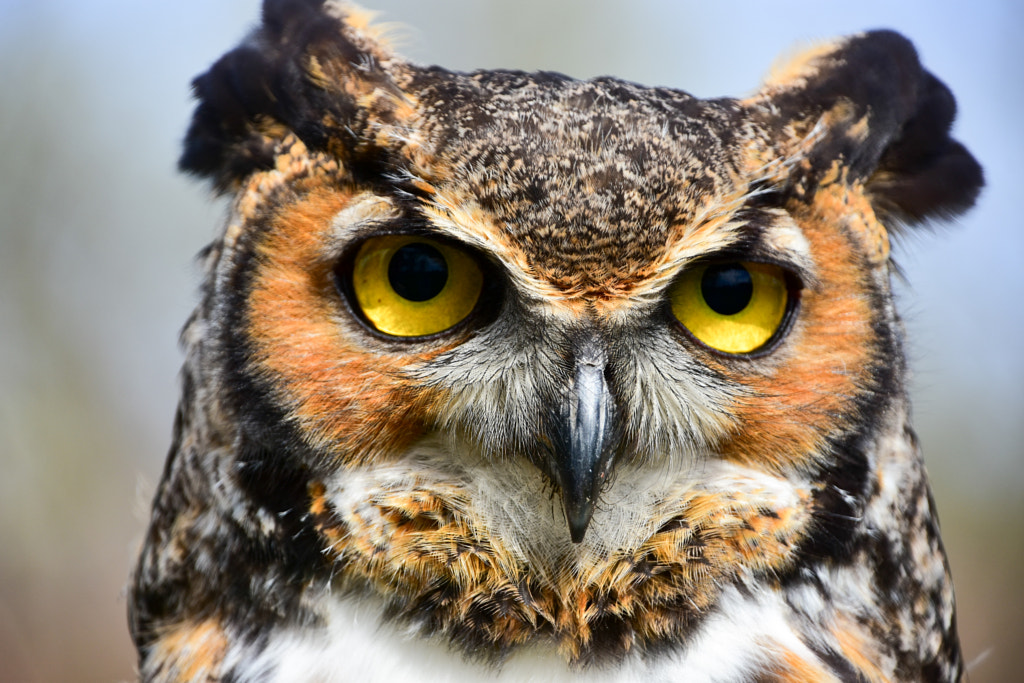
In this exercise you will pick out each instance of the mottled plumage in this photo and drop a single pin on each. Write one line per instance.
(568, 479)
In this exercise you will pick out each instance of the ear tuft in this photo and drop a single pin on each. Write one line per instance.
(883, 118)
(924, 173)
(275, 83)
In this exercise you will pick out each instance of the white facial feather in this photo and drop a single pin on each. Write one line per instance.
(508, 499)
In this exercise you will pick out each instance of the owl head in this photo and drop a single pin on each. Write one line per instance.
(515, 337)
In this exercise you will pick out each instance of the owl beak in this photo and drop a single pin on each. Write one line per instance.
(584, 437)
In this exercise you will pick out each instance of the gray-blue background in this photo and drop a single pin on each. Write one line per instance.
(98, 233)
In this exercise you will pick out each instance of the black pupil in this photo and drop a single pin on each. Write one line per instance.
(727, 288)
(417, 272)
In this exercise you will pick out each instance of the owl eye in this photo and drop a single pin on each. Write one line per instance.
(735, 307)
(413, 286)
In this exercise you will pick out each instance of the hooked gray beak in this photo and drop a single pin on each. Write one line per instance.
(584, 436)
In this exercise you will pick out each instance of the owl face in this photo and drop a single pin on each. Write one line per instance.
(533, 359)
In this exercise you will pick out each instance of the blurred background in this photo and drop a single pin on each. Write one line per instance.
(98, 233)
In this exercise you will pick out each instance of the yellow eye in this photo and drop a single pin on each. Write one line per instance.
(731, 307)
(412, 286)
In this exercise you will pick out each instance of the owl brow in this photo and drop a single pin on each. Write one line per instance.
(374, 217)
(407, 217)
(758, 242)
(441, 224)
(366, 216)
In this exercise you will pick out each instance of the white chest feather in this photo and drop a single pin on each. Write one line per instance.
(356, 646)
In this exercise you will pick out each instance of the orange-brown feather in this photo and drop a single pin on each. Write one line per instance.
(344, 396)
(190, 652)
(800, 397)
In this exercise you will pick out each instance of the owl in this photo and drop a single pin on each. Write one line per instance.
(510, 376)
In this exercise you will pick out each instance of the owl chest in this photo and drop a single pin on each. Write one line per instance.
(742, 639)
